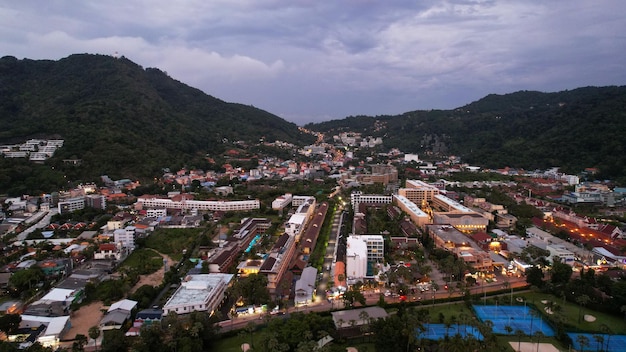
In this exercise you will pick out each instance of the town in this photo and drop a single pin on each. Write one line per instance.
(337, 230)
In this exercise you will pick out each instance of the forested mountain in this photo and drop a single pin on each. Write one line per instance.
(119, 119)
(573, 129)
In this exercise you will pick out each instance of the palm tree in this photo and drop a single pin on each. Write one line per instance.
(340, 322)
(519, 333)
(606, 330)
(623, 310)
(506, 285)
(582, 300)
(79, 343)
(508, 329)
(447, 324)
(250, 327)
(94, 333)
(583, 341)
(599, 341)
(463, 318)
(538, 334)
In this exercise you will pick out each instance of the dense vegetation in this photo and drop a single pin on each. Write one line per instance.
(573, 129)
(119, 119)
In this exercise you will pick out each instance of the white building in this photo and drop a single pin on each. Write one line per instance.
(204, 292)
(298, 221)
(560, 252)
(71, 205)
(125, 237)
(305, 286)
(55, 328)
(148, 201)
(358, 197)
(282, 201)
(411, 157)
(295, 224)
(416, 214)
(356, 258)
(156, 213)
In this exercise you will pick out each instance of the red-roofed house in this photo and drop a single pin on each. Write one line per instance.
(107, 251)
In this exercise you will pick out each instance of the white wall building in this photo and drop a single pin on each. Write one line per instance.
(305, 286)
(358, 197)
(411, 157)
(560, 252)
(282, 201)
(125, 237)
(156, 213)
(356, 258)
(203, 292)
(71, 205)
(208, 205)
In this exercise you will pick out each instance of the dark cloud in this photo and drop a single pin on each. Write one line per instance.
(309, 60)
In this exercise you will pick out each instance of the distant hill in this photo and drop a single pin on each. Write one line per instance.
(573, 129)
(119, 119)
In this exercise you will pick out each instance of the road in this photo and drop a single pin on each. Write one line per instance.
(371, 298)
(331, 253)
(41, 224)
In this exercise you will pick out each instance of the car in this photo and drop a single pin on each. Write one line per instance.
(387, 293)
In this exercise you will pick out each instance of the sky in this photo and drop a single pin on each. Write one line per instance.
(315, 60)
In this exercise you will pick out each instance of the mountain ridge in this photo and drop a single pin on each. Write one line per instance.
(574, 129)
(121, 119)
(127, 121)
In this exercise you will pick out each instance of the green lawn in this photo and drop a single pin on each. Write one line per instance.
(233, 344)
(570, 313)
(144, 261)
(173, 241)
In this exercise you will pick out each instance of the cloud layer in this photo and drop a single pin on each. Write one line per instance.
(310, 60)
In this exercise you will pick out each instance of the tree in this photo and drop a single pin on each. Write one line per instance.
(79, 343)
(519, 333)
(94, 334)
(114, 341)
(560, 272)
(9, 323)
(582, 300)
(252, 289)
(538, 334)
(606, 330)
(583, 341)
(353, 295)
(534, 276)
(599, 341)
(24, 280)
(508, 329)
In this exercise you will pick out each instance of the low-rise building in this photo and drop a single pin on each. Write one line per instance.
(203, 292)
(305, 286)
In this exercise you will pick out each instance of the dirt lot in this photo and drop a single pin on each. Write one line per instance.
(90, 315)
(84, 318)
(155, 278)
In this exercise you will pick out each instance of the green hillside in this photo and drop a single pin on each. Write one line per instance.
(572, 129)
(119, 119)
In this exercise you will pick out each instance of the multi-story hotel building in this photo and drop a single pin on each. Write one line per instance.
(277, 262)
(151, 201)
(358, 197)
(418, 192)
(418, 217)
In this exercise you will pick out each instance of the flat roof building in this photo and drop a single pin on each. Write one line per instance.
(203, 292)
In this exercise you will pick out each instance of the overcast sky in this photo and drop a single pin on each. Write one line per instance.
(316, 60)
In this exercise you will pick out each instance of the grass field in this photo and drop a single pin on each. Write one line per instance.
(173, 241)
(144, 261)
(570, 313)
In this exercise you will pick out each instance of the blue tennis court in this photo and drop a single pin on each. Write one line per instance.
(517, 317)
(439, 331)
(610, 343)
